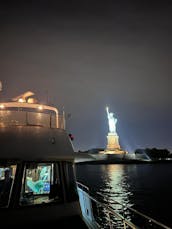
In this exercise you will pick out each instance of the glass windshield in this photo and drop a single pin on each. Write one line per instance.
(41, 184)
(27, 117)
(38, 179)
(7, 174)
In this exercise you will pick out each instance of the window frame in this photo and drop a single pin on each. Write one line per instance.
(4, 165)
(56, 177)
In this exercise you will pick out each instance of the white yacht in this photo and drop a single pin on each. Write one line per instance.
(37, 179)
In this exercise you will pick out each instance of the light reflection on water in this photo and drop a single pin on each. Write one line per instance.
(109, 179)
(117, 189)
(117, 185)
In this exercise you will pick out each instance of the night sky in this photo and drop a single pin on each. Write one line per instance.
(85, 55)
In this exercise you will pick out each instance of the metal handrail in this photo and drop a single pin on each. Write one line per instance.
(137, 212)
(112, 211)
(109, 210)
(82, 186)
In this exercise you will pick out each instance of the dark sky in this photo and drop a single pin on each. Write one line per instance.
(89, 54)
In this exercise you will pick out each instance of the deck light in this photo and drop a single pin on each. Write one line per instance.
(21, 100)
(40, 108)
(2, 106)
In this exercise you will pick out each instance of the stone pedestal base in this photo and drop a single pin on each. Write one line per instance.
(113, 142)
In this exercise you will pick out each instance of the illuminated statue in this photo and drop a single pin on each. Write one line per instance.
(112, 121)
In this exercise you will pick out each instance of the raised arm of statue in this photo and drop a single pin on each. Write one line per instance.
(107, 110)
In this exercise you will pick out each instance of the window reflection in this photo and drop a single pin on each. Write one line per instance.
(41, 184)
(38, 179)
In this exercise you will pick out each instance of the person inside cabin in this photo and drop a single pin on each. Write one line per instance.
(5, 187)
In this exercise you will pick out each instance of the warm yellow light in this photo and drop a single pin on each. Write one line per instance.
(2, 106)
(40, 107)
(21, 100)
(31, 100)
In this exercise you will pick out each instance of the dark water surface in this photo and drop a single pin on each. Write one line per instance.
(145, 187)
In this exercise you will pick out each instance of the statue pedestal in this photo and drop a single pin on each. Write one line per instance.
(113, 151)
(112, 142)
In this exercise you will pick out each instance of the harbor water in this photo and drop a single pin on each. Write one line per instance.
(145, 187)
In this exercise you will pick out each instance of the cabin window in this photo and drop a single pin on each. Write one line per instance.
(22, 116)
(41, 184)
(7, 174)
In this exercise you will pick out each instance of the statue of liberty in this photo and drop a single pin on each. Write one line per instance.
(112, 121)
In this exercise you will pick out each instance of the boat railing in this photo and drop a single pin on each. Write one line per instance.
(104, 214)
